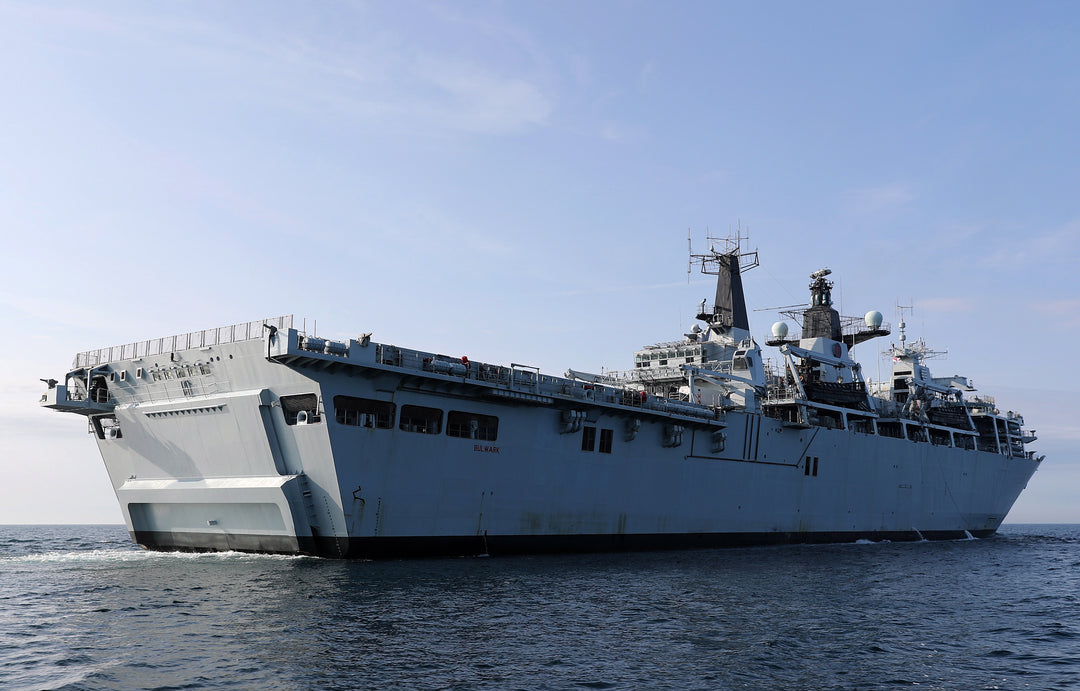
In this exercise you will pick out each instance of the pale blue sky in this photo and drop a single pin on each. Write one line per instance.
(515, 181)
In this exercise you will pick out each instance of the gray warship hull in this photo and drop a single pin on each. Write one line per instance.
(261, 437)
(217, 460)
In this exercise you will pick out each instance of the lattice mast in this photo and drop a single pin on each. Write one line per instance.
(725, 259)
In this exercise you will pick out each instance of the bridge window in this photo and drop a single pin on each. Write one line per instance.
(363, 412)
(472, 426)
(415, 418)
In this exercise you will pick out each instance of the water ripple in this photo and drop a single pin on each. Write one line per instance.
(83, 609)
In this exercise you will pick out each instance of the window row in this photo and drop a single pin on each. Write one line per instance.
(661, 363)
(687, 354)
(180, 372)
(366, 412)
(690, 351)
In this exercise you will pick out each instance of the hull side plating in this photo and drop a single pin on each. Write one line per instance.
(229, 472)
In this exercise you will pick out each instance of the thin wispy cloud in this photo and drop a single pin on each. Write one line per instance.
(479, 101)
(1056, 246)
(373, 74)
(1060, 242)
(66, 312)
(619, 131)
(1063, 313)
(947, 305)
(439, 232)
(628, 289)
(510, 37)
(647, 75)
(1066, 306)
(879, 199)
(957, 234)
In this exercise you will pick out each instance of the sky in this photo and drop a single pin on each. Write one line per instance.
(517, 182)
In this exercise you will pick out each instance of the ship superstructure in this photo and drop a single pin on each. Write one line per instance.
(263, 437)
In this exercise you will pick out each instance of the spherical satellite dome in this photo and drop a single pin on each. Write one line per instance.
(873, 319)
(779, 330)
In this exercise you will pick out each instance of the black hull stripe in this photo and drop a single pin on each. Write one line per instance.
(497, 545)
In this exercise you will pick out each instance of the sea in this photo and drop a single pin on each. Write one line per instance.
(83, 608)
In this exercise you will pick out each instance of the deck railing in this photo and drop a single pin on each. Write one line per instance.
(526, 379)
(194, 339)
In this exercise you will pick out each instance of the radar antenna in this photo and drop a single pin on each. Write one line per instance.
(718, 248)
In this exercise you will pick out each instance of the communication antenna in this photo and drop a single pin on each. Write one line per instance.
(900, 313)
(781, 307)
(716, 247)
(879, 358)
(690, 251)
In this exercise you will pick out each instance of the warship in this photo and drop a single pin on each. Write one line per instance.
(261, 437)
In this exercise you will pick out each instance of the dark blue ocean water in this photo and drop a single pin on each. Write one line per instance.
(81, 608)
